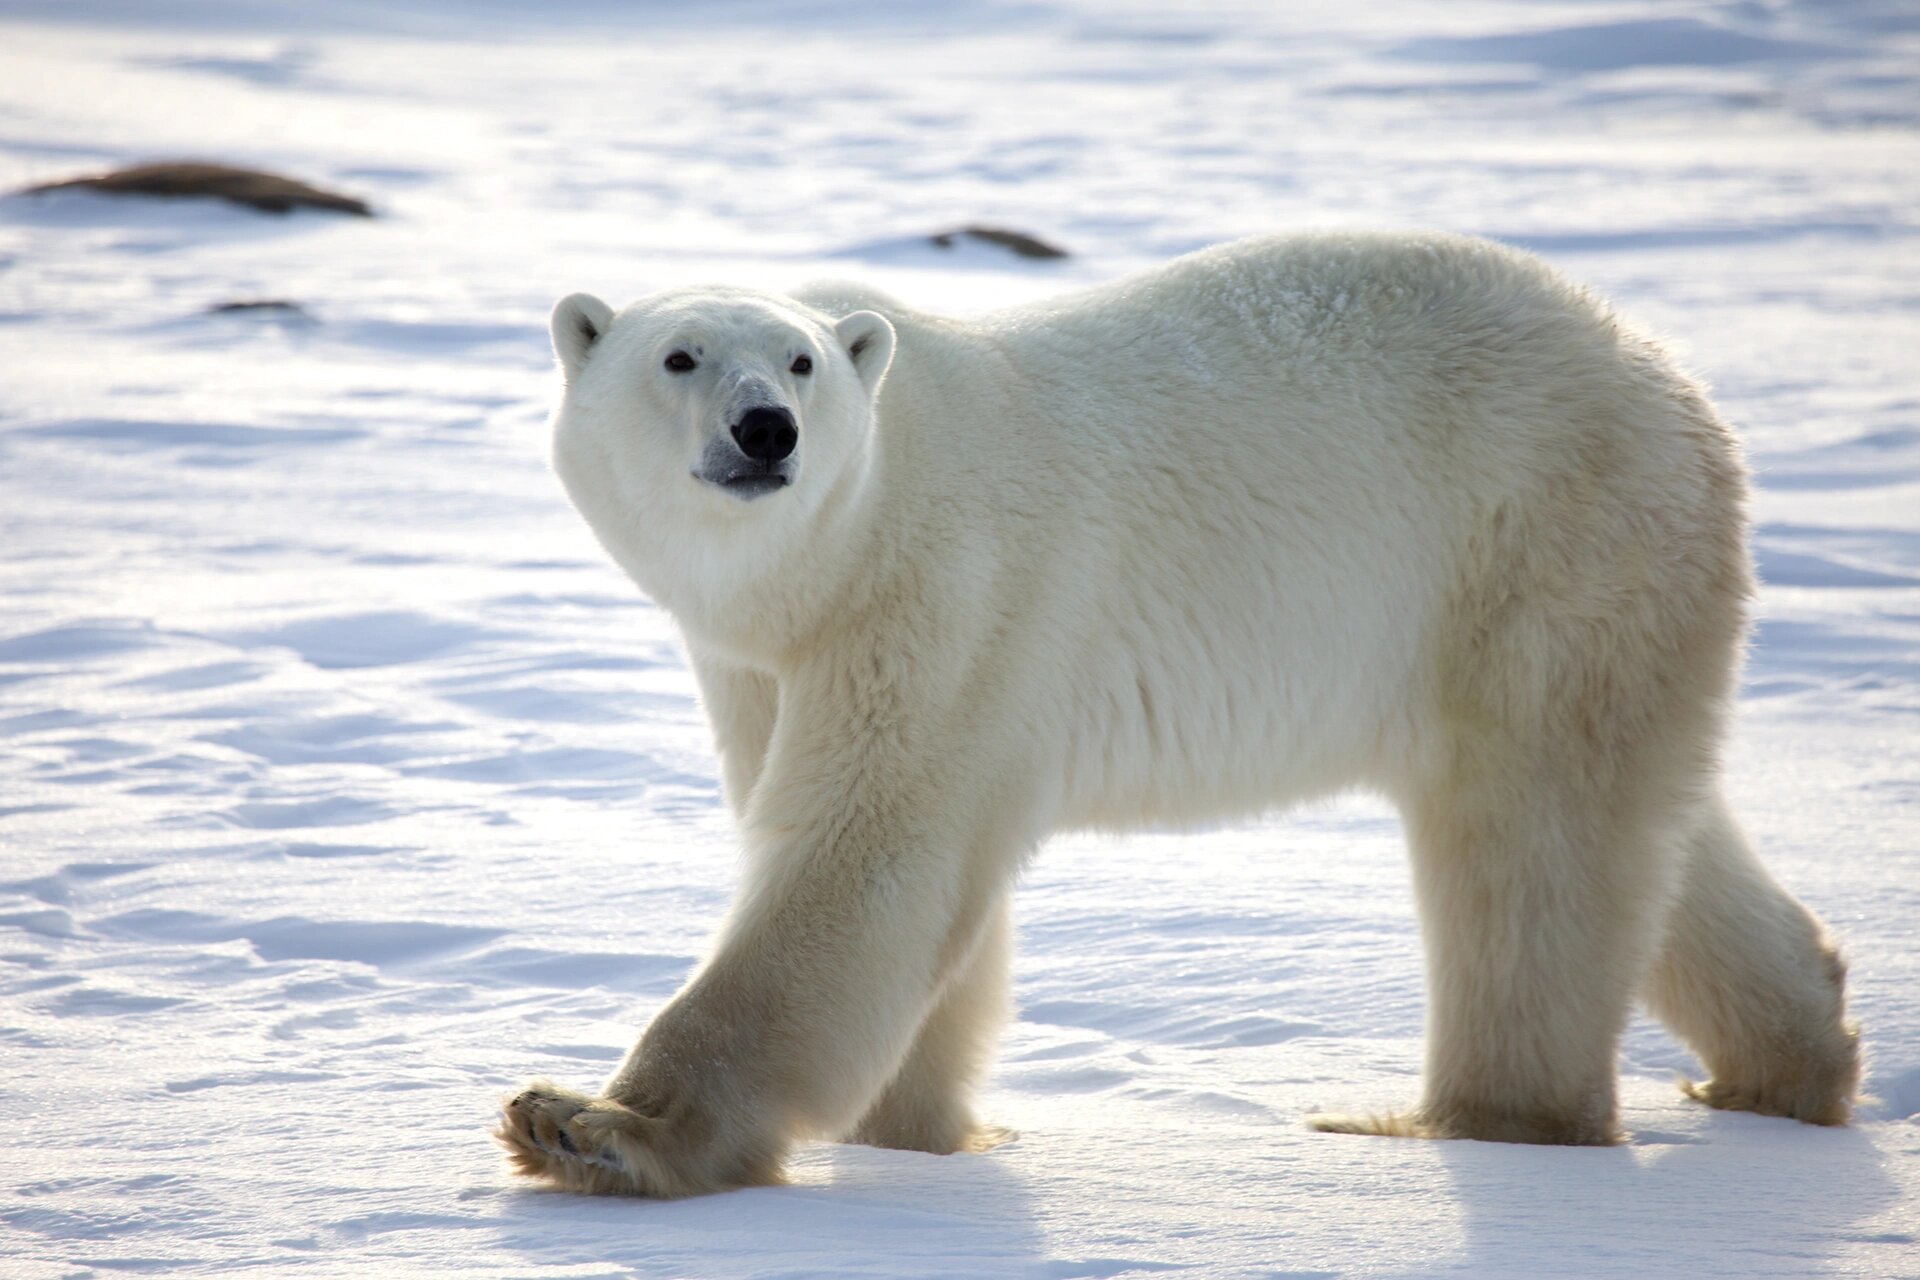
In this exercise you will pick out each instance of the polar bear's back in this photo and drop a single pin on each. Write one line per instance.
(1349, 316)
(1429, 371)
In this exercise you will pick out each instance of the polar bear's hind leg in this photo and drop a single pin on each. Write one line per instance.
(1539, 899)
(1575, 720)
(1747, 977)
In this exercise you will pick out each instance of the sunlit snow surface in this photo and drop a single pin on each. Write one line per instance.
(346, 784)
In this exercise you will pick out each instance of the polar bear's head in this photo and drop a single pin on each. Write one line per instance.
(695, 418)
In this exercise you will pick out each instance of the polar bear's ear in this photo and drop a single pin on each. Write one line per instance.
(578, 321)
(868, 338)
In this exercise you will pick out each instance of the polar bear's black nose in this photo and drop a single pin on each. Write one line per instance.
(766, 435)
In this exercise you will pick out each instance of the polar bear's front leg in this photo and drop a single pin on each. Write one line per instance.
(871, 877)
(928, 1106)
(741, 706)
(1748, 977)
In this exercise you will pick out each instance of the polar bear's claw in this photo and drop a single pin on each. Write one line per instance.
(563, 1137)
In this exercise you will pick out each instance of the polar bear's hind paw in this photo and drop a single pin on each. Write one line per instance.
(1544, 1127)
(1823, 1099)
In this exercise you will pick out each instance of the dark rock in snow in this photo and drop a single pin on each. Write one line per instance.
(280, 305)
(1018, 242)
(268, 192)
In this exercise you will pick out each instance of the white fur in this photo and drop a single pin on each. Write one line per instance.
(1286, 516)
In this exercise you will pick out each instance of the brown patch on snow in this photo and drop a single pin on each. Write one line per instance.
(268, 192)
(281, 305)
(1019, 242)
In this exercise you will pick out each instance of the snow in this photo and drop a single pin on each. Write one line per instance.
(346, 784)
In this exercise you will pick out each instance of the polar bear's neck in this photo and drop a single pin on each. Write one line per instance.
(755, 609)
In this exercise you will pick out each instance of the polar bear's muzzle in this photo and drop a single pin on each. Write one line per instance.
(758, 458)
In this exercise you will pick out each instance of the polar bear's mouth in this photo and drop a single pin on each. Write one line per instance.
(724, 464)
(747, 484)
(754, 483)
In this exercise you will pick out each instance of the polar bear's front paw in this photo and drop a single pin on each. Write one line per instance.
(591, 1145)
(676, 1146)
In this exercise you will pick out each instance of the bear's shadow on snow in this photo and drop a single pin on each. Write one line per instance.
(849, 1209)
(1742, 1195)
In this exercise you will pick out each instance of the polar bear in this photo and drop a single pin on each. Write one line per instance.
(1291, 515)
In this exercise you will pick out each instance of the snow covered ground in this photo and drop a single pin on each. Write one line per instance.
(346, 785)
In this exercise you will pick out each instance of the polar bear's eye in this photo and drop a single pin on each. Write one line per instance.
(681, 362)
(802, 365)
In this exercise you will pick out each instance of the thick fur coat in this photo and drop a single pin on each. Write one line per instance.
(1292, 515)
